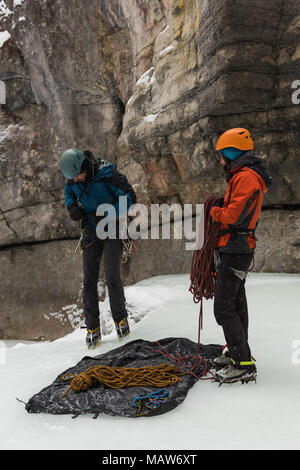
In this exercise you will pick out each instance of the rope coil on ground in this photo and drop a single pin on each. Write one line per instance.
(187, 365)
(120, 377)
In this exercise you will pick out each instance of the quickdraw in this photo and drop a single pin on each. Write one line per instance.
(79, 248)
(129, 249)
(151, 401)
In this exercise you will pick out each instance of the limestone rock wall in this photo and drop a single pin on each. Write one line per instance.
(149, 85)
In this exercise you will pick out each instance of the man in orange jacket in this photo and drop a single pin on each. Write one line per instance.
(238, 213)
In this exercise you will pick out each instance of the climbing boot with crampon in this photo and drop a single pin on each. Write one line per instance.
(237, 372)
(122, 328)
(93, 338)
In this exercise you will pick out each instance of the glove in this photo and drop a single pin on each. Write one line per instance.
(219, 202)
(76, 213)
(94, 218)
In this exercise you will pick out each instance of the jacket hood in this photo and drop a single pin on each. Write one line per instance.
(101, 169)
(251, 161)
(93, 166)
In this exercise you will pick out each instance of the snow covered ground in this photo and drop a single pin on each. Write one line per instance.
(265, 415)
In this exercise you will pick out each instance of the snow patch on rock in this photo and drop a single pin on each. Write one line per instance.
(147, 78)
(4, 36)
(4, 10)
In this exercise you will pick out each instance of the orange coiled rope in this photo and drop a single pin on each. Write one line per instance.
(202, 270)
(120, 377)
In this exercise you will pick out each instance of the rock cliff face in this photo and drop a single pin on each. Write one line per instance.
(149, 85)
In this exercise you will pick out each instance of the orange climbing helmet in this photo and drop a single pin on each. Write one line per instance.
(238, 138)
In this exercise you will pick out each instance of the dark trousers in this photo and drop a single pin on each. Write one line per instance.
(230, 304)
(93, 250)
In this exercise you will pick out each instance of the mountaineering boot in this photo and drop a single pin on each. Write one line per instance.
(122, 328)
(93, 338)
(237, 372)
(222, 361)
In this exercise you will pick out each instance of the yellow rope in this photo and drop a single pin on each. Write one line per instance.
(120, 377)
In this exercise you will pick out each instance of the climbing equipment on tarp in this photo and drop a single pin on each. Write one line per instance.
(151, 401)
(120, 377)
(187, 364)
(176, 353)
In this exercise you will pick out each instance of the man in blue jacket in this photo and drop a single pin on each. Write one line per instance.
(92, 182)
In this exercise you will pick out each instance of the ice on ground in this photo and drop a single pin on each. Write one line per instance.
(265, 415)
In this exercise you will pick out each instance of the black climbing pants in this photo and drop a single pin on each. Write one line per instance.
(230, 304)
(93, 250)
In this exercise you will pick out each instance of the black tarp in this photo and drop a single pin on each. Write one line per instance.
(121, 402)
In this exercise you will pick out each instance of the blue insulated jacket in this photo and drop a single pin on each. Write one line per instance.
(104, 188)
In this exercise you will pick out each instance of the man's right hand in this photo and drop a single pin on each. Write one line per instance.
(76, 213)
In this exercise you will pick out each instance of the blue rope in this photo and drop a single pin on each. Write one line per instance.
(154, 400)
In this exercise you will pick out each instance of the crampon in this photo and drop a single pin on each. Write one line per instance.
(93, 338)
(230, 374)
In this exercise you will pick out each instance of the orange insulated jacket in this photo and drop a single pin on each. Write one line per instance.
(249, 180)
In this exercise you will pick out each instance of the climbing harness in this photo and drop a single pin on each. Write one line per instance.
(218, 265)
(152, 401)
(234, 231)
(120, 377)
(79, 248)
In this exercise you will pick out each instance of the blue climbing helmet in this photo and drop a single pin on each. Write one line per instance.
(71, 162)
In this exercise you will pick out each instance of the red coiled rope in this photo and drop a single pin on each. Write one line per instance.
(187, 364)
(203, 274)
(202, 285)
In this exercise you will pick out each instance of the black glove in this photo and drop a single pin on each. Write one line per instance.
(76, 213)
(94, 218)
(219, 202)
